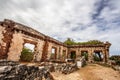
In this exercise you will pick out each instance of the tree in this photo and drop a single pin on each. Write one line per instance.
(69, 41)
(26, 55)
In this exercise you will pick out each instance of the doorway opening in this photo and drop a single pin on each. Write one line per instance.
(73, 55)
(98, 56)
(85, 54)
(53, 53)
(64, 54)
(27, 53)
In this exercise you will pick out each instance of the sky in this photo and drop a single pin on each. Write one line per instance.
(81, 20)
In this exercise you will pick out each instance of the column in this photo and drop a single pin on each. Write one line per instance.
(104, 55)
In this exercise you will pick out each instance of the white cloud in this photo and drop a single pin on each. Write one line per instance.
(66, 18)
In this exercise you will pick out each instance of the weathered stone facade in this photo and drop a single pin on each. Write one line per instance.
(91, 49)
(14, 35)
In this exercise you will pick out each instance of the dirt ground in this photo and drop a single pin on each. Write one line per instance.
(90, 72)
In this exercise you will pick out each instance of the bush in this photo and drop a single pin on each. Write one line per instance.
(26, 55)
(118, 62)
(116, 58)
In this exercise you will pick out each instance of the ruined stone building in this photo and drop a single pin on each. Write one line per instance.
(13, 36)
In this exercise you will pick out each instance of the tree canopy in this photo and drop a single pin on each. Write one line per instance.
(70, 41)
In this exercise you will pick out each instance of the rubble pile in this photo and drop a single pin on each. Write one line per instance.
(64, 68)
(10, 70)
(116, 68)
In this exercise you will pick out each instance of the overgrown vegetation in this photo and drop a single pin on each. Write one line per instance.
(96, 58)
(70, 41)
(26, 55)
(116, 58)
(85, 55)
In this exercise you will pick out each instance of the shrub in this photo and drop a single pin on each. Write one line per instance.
(116, 58)
(118, 62)
(26, 55)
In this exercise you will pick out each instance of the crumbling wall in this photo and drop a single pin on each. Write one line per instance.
(58, 50)
(64, 68)
(90, 51)
(2, 30)
(2, 43)
(63, 55)
(49, 50)
(15, 47)
(12, 36)
(39, 50)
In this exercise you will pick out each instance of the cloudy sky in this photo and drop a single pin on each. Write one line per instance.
(81, 20)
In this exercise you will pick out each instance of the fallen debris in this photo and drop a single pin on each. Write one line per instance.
(23, 72)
